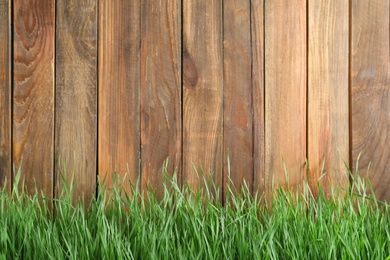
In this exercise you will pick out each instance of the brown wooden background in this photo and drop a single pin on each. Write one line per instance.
(120, 85)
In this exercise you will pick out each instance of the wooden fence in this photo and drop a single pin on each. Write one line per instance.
(120, 85)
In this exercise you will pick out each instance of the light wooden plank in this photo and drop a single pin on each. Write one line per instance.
(5, 94)
(76, 80)
(285, 86)
(160, 91)
(257, 31)
(119, 83)
(202, 90)
(33, 95)
(370, 92)
(328, 108)
(237, 102)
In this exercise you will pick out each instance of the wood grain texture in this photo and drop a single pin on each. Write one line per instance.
(237, 102)
(370, 92)
(160, 91)
(202, 90)
(33, 95)
(328, 109)
(5, 94)
(76, 82)
(285, 91)
(257, 31)
(119, 83)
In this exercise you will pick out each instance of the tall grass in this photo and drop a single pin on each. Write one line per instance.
(188, 224)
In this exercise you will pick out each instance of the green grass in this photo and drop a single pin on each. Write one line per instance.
(194, 225)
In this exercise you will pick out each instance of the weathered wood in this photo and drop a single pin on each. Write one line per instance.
(33, 96)
(328, 108)
(76, 81)
(202, 90)
(160, 91)
(119, 82)
(237, 103)
(263, 59)
(285, 91)
(370, 92)
(5, 94)
(257, 31)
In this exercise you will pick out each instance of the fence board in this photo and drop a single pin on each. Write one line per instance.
(76, 79)
(370, 91)
(202, 90)
(285, 86)
(5, 94)
(237, 110)
(257, 38)
(33, 96)
(160, 90)
(119, 65)
(328, 128)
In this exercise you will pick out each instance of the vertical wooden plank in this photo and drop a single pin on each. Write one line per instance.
(328, 109)
(160, 90)
(76, 78)
(33, 96)
(257, 31)
(118, 106)
(285, 86)
(5, 94)
(370, 92)
(237, 103)
(202, 90)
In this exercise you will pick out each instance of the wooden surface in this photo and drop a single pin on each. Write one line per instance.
(119, 95)
(5, 94)
(33, 95)
(76, 82)
(202, 90)
(237, 100)
(370, 92)
(328, 127)
(257, 32)
(137, 82)
(285, 91)
(160, 91)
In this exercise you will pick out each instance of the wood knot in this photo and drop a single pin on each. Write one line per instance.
(190, 72)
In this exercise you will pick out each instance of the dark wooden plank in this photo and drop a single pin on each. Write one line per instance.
(257, 31)
(370, 92)
(33, 95)
(237, 102)
(160, 91)
(119, 79)
(5, 94)
(202, 90)
(76, 80)
(285, 86)
(328, 109)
